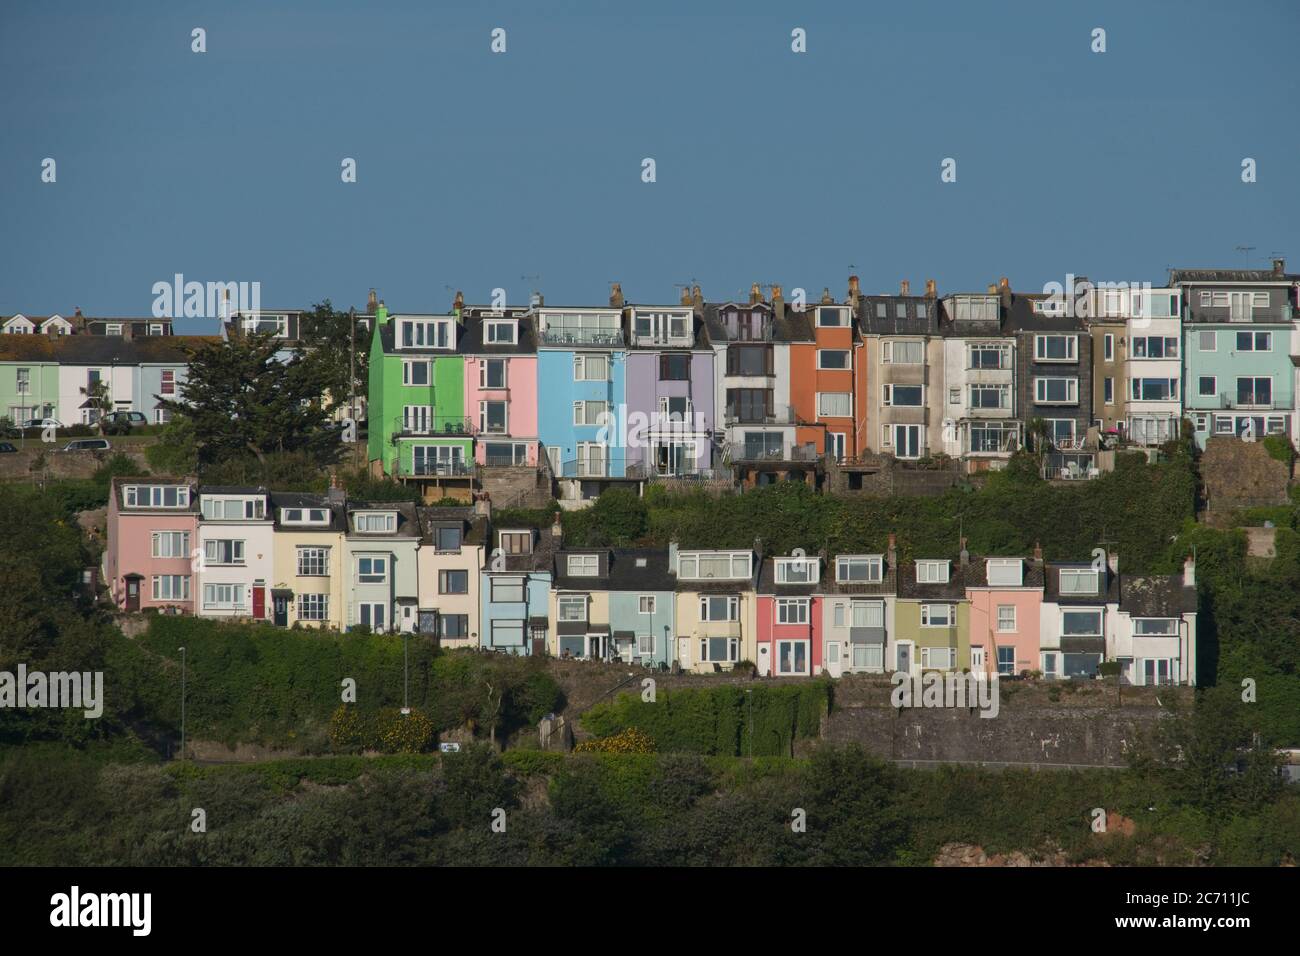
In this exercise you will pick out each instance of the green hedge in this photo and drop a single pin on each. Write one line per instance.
(725, 721)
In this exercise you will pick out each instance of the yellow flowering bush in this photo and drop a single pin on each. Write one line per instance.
(629, 741)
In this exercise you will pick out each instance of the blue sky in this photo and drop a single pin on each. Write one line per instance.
(476, 170)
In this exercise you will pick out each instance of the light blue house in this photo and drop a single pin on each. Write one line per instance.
(642, 613)
(581, 356)
(1238, 326)
(516, 590)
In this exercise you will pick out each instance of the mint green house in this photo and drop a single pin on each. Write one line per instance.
(29, 388)
(418, 431)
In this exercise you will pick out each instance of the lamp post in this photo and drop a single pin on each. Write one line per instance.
(406, 698)
(182, 650)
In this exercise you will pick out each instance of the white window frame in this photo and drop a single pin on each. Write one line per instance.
(582, 565)
(1004, 625)
(875, 565)
(792, 610)
(173, 548)
(310, 559)
(928, 614)
(372, 561)
(732, 608)
(846, 367)
(407, 376)
(174, 582)
(932, 571)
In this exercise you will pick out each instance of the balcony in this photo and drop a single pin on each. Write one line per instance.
(745, 451)
(437, 469)
(637, 464)
(779, 415)
(440, 425)
(582, 337)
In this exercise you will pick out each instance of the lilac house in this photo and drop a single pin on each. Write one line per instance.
(669, 388)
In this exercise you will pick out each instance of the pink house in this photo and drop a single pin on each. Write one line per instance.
(1006, 598)
(501, 385)
(152, 531)
(789, 608)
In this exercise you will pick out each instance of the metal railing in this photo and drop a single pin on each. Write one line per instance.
(742, 451)
(779, 415)
(639, 463)
(582, 337)
(438, 469)
(453, 425)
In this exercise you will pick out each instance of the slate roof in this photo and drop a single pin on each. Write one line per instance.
(1021, 317)
(540, 559)
(101, 349)
(118, 483)
(388, 335)
(953, 590)
(886, 586)
(408, 526)
(1052, 591)
(872, 324)
(474, 527)
(298, 499)
(978, 570)
(626, 575)
(563, 581)
(471, 336)
(1157, 595)
(1177, 276)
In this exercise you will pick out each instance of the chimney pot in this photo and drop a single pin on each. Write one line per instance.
(1279, 267)
(904, 288)
(1004, 283)
(557, 529)
(371, 301)
(1189, 572)
(616, 295)
(697, 299)
(993, 288)
(931, 290)
(755, 294)
(826, 296)
(1038, 552)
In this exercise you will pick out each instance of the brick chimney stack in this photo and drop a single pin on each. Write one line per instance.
(904, 288)
(616, 295)
(1279, 267)
(891, 555)
(1038, 552)
(826, 297)
(685, 296)
(755, 294)
(778, 303)
(697, 299)
(855, 291)
(931, 290)
(372, 302)
(1004, 289)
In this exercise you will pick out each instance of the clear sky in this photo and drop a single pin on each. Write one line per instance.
(523, 169)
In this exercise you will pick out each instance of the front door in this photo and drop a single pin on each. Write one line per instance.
(133, 594)
(905, 658)
(907, 441)
(833, 666)
(281, 604)
(259, 602)
(683, 651)
(977, 660)
(835, 445)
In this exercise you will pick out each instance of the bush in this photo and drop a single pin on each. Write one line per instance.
(387, 730)
(629, 741)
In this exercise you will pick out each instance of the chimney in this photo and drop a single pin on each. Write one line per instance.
(1189, 571)
(672, 554)
(1112, 561)
(1279, 267)
(557, 529)
(686, 296)
(615, 295)
(891, 555)
(965, 555)
(778, 303)
(697, 299)
(458, 303)
(855, 290)
(381, 314)
(1004, 289)
(758, 548)
(335, 495)
(993, 288)
(483, 506)
(128, 331)
(1038, 552)
(904, 288)
(826, 296)
(931, 290)
(755, 294)
(225, 303)
(372, 301)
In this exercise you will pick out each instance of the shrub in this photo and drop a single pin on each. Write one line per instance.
(629, 741)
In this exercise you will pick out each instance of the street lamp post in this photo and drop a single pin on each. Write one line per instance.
(182, 650)
(406, 697)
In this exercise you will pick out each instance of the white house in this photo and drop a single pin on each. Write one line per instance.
(235, 559)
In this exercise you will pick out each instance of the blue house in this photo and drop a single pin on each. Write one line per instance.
(516, 590)
(642, 613)
(1237, 325)
(581, 354)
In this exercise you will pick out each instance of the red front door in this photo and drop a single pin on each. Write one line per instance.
(259, 601)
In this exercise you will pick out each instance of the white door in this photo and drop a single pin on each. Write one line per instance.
(977, 660)
(1240, 305)
(907, 441)
(684, 651)
(835, 445)
(833, 666)
(764, 660)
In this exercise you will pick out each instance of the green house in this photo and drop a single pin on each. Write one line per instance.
(419, 432)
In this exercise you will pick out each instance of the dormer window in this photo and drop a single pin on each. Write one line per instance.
(516, 542)
(705, 565)
(1080, 581)
(304, 516)
(662, 327)
(501, 333)
(375, 522)
(584, 565)
(859, 569)
(832, 316)
(156, 496)
(1006, 572)
(975, 308)
(797, 571)
(446, 538)
(425, 334)
(932, 572)
(233, 508)
(1056, 348)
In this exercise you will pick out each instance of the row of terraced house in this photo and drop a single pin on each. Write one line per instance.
(761, 390)
(293, 559)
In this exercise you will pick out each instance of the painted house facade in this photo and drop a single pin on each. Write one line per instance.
(501, 395)
(381, 564)
(932, 616)
(419, 430)
(308, 583)
(516, 590)
(670, 387)
(788, 618)
(980, 424)
(1053, 371)
(1006, 601)
(716, 607)
(1240, 332)
(450, 562)
(858, 596)
(579, 605)
(152, 531)
(822, 382)
(236, 542)
(1153, 632)
(1078, 603)
(642, 606)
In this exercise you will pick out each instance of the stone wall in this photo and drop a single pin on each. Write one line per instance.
(1241, 474)
(40, 460)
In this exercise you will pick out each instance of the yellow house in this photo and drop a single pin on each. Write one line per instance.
(579, 604)
(307, 587)
(450, 563)
(717, 617)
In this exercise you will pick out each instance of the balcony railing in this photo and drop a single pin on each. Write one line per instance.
(582, 337)
(741, 451)
(438, 469)
(435, 425)
(779, 415)
(635, 463)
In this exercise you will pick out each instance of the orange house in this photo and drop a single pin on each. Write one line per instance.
(822, 379)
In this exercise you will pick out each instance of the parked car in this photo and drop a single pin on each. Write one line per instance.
(6, 447)
(42, 423)
(87, 444)
(121, 423)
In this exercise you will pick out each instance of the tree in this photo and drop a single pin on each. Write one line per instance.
(242, 397)
(98, 400)
(338, 351)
